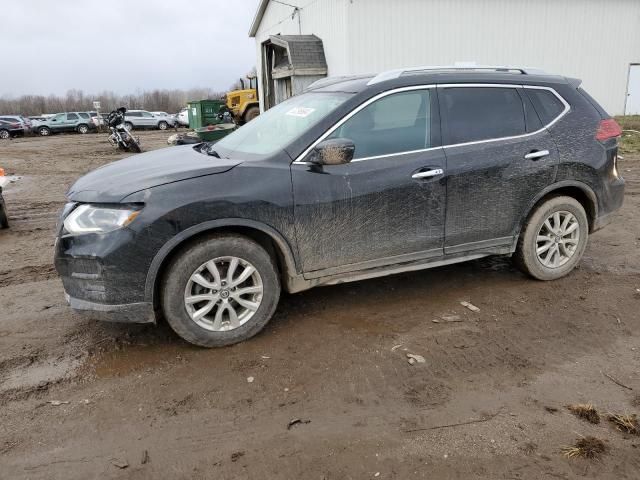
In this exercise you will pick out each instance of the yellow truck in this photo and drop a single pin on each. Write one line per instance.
(243, 103)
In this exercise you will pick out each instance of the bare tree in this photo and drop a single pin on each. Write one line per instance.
(170, 101)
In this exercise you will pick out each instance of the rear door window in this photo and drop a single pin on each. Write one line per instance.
(546, 104)
(481, 113)
(397, 123)
(72, 116)
(84, 115)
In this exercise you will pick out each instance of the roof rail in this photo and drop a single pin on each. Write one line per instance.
(391, 74)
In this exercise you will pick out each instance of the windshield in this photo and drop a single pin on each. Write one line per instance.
(280, 125)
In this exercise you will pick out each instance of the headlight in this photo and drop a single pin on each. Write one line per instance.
(93, 219)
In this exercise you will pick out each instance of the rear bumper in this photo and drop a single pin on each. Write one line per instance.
(127, 313)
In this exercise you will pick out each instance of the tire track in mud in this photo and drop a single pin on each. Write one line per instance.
(33, 216)
(28, 274)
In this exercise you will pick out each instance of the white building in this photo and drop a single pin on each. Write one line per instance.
(595, 40)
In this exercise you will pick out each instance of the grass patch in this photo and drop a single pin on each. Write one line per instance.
(625, 423)
(586, 447)
(585, 411)
(630, 141)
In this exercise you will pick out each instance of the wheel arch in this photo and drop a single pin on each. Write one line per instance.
(582, 192)
(270, 239)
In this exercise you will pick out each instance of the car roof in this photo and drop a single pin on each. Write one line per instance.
(359, 83)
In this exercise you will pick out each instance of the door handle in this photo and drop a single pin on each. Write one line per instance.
(429, 173)
(536, 154)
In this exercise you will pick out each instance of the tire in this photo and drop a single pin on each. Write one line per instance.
(536, 235)
(163, 125)
(128, 126)
(4, 221)
(4, 134)
(251, 113)
(134, 147)
(44, 131)
(177, 284)
(82, 128)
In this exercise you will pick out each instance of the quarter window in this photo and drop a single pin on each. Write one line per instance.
(546, 104)
(481, 113)
(397, 123)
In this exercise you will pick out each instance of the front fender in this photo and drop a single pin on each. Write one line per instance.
(185, 235)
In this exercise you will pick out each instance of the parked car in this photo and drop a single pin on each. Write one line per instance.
(67, 122)
(24, 122)
(356, 178)
(10, 129)
(142, 119)
(36, 122)
(182, 117)
(98, 120)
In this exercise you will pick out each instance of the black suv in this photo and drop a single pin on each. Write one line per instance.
(356, 178)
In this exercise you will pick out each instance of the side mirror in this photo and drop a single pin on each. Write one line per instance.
(336, 151)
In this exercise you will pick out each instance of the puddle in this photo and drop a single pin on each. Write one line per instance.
(117, 363)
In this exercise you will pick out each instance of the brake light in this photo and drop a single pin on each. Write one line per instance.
(607, 129)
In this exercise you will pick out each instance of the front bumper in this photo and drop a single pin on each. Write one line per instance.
(127, 313)
(105, 276)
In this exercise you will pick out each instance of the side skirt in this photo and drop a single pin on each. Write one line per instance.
(299, 283)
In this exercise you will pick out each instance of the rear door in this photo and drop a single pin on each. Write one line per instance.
(387, 205)
(148, 120)
(499, 157)
(71, 122)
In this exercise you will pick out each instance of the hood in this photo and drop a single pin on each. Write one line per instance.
(112, 182)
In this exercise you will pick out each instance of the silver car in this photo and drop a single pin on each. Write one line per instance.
(142, 119)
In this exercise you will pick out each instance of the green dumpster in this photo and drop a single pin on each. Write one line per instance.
(204, 112)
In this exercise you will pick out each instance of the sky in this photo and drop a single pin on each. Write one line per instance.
(51, 46)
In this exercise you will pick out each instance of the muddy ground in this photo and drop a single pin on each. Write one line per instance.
(140, 403)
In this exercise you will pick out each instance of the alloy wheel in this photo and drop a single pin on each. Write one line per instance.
(4, 134)
(223, 294)
(558, 239)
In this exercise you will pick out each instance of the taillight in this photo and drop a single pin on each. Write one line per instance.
(607, 129)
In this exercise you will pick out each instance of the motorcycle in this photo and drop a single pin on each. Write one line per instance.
(121, 137)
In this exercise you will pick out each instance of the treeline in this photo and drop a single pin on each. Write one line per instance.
(170, 101)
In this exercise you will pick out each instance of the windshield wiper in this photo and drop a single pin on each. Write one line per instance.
(211, 151)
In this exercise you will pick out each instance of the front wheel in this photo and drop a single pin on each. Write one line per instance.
(4, 134)
(553, 239)
(221, 290)
(163, 125)
(44, 131)
(251, 113)
(4, 221)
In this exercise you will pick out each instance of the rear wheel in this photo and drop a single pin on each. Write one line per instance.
(163, 125)
(128, 126)
(83, 129)
(44, 131)
(221, 290)
(553, 239)
(4, 134)
(251, 113)
(134, 146)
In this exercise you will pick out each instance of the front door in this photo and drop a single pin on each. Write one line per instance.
(499, 157)
(632, 106)
(57, 123)
(387, 205)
